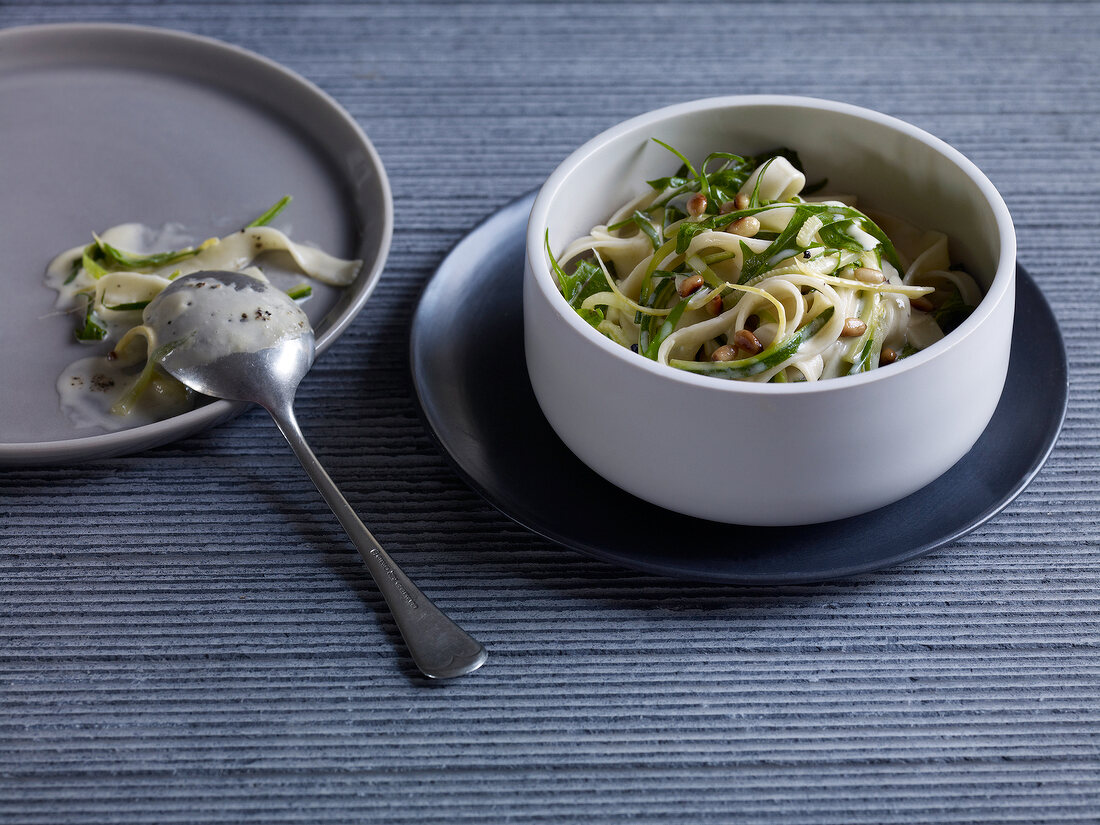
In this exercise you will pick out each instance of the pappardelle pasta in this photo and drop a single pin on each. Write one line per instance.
(109, 283)
(738, 271)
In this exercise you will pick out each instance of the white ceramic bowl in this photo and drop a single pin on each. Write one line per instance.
(773, 454)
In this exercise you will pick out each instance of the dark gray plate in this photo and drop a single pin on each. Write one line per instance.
(105, 124)
(471, 379)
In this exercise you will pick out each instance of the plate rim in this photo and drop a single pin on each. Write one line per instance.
(1035, 465)
(135, 439)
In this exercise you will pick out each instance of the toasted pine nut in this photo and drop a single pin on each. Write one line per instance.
(741, 201)
(752, 322)
(921, 303)
(724, 353)
(745, 340)
(747, 226)
(852, 328)
(714, 307)
(697, 204)
(690, 284)
(887, 356)
(727, 207)
(869, 276)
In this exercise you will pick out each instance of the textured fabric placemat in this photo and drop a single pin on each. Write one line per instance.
(186, 636)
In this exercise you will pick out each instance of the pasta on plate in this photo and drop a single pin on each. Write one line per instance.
(738, 270)
(111, 281)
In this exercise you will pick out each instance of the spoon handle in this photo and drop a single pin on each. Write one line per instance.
(439, 647)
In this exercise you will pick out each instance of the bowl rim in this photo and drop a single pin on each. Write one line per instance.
(999, 288)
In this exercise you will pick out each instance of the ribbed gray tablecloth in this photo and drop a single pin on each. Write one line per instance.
(185, 635)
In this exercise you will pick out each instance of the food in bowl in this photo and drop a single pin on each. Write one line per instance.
(110, 282)
(772, 453)
(738, 271)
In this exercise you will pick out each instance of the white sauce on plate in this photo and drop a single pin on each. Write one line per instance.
(121, 389)
(90, 387)
(208, 319)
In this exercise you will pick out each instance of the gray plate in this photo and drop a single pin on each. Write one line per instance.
(108, 124)
(471, 380)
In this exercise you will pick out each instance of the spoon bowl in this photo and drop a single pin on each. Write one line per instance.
(230, 335)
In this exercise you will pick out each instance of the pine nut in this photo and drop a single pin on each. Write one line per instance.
(714, 307)
(724, 353)
(747, 226)
(690, 284)
(727, 207)
(697, 204)
(869, 276)
(887, 356)
(745, 340)
(741, 201)
(853, 327)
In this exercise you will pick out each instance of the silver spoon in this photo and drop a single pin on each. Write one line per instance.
(228, 335)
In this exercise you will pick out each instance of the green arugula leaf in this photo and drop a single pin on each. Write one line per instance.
(702, 180)
(268, 216)
(756, 263)
(93, 328)
(74, 269)
(726, 181)
(587, 279)
(872, 229)
(117, 259)
(687, 231)
(672, 182)
(834, 236)
(643, 224)
(92, 260)
(594, 316)
(124, 307)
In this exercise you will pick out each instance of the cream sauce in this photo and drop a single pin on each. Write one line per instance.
(205, 320)
(95, 391)
(91, 387)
